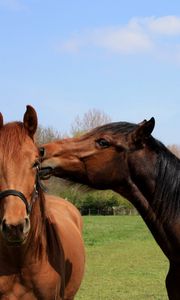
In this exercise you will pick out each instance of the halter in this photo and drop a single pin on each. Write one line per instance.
(38, 184)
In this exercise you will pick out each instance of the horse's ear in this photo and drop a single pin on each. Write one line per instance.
(30, 120)
(143, 131)
(1, 120)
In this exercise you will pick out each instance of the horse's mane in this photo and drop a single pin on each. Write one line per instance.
(38, 224)
(166, 198)
(114, 128)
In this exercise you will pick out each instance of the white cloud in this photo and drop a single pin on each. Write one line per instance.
(127, 39)
(122, 40)
(168, 25)
(139, 35)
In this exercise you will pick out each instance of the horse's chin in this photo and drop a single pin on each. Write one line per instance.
(18, 242)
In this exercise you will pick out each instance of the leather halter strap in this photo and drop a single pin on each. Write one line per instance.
(18, 194)
(38, 184)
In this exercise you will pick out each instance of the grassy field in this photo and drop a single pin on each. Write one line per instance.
(123, 262)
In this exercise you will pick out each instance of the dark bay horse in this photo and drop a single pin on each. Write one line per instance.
(126, 158)
(41, 246)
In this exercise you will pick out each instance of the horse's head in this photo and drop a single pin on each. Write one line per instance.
(101, 158)
(18, 170)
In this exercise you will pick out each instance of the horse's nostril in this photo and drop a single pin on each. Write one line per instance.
(41, 152)
(26, 222)
(26, 225)
(4, 226)
(15, 230)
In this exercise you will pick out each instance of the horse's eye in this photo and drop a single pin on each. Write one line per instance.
(103, 143)
(41, 152)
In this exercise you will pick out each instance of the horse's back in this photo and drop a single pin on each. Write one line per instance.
(64, 209)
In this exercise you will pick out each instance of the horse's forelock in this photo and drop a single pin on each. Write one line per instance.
(12, 135)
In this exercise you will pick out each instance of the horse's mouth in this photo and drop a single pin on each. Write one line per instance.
(45, 173)
(15, 242)
(15, 239)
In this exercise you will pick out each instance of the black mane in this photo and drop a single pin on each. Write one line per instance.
(115, 128)
(166, 198)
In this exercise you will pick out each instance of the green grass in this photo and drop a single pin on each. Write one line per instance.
(122, 261)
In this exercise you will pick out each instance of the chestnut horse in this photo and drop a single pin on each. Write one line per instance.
(126, 158)
(41, 246)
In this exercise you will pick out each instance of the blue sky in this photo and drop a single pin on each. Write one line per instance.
(66, 57)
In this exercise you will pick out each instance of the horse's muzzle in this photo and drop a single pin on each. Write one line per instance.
(15, 234)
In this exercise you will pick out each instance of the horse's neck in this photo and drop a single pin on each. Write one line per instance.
(159, 206)
(135, 196)
(155, 183)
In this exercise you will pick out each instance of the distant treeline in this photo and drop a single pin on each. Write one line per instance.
(91, 201)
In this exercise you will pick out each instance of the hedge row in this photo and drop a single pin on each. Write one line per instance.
(91, 201)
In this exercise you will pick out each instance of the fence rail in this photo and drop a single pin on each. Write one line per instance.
(117, 210)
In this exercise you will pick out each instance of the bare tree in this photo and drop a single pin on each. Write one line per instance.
(175, 149)
(91, 119)
(46, 135)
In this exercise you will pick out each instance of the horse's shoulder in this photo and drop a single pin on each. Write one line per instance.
(60, 209)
